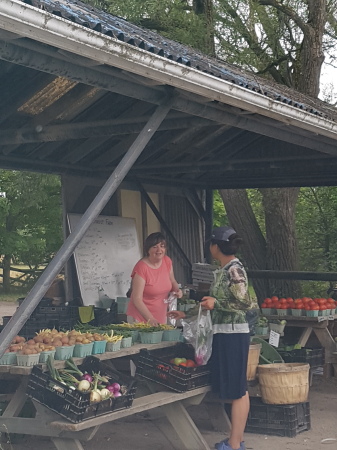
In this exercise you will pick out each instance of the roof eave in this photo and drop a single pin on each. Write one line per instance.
(31, 22)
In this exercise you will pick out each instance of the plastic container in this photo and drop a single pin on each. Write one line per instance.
(281, 312)
(267, 311)
(126, 342)
(122, 304)
(134, 335)
(171, 335)
(8, 358)
(64, 352)
(27, 360)
(284, 383)
(296, 312)
(278, 420)
(73, 404)
(113, 346)
(261, 331)
(155, 365)
(312, 313)
(44, 355)
(153, 337)
(98, 347)
(277, 327)
(253, 360)
(312, 356)
(83, 350)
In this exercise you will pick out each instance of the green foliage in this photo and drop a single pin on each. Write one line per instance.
(30, 217)
(173, 19)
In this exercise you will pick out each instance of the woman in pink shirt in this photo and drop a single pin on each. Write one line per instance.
(152, 281)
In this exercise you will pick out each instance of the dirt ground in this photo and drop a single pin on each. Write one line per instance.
(141, 432)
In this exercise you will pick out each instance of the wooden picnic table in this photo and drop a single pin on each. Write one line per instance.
(321, 326)
(66, 435)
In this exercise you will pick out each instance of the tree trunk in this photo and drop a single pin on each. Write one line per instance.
(282, 252)
(307, 78)
(6, 274)
(205, 8)
(242, 219)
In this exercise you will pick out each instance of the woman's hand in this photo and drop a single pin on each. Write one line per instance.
(208, 302)
(178, 293)
(153, 322)
(176, 315)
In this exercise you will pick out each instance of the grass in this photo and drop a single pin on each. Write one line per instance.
(10, 298)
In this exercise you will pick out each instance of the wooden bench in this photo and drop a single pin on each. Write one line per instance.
(68, 436)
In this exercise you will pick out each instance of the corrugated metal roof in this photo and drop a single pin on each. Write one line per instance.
(147, 40)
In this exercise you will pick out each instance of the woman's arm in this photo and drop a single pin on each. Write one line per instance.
(138, 285)
(175, 285)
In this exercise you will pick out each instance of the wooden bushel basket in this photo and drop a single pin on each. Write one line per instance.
(284, 383)
(253, 361)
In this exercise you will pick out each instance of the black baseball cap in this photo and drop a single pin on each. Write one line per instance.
(222, 233)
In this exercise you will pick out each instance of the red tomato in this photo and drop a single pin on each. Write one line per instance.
(314, 307)
(298, 300)
(289, 299)
(274, 298)
(268, 301)
(264, 305)
(283, 301)
(299, 306)
(283, 306)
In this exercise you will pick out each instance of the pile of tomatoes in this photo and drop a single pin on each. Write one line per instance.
(304, 303)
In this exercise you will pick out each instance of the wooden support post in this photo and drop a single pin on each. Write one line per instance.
(67, 444)
(186, 429)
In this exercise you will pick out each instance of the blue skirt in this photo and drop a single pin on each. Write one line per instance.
(229, 365)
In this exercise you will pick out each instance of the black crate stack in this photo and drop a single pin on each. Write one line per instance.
(62, 317)
(278, 420)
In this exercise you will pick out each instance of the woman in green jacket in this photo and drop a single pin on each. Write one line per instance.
(228, 302)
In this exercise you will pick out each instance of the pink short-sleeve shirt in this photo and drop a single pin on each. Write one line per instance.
(156, 290)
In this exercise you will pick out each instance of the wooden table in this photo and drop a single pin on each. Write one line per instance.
(66, 435)
(320, 326)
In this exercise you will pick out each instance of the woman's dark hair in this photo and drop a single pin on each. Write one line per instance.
(151, 240)
(229, 247)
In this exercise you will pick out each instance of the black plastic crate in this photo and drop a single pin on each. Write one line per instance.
(314, 357)
(51, 312)
(154, 365)
(278, 420)
(75, 405)
(45, 301)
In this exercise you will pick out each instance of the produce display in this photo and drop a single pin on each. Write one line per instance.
(100, 387)
(80, 392)
(183, 362)
(73, 342)
(305, 306)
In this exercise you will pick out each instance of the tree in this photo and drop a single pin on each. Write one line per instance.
(283, 40)
(30, 220)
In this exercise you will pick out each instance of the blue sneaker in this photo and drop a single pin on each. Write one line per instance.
(224, 445)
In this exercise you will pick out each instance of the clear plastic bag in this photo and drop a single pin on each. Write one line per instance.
(172, 306)
(198, 331)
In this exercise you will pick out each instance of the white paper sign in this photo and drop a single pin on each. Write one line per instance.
(274, 338)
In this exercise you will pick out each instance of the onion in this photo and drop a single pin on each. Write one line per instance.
(116, 386)
(117, 394)
(95, 396)
(105, 393)
(84, 386)
(87, 377)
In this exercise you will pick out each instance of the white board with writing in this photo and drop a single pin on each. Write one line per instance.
(105, 256)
